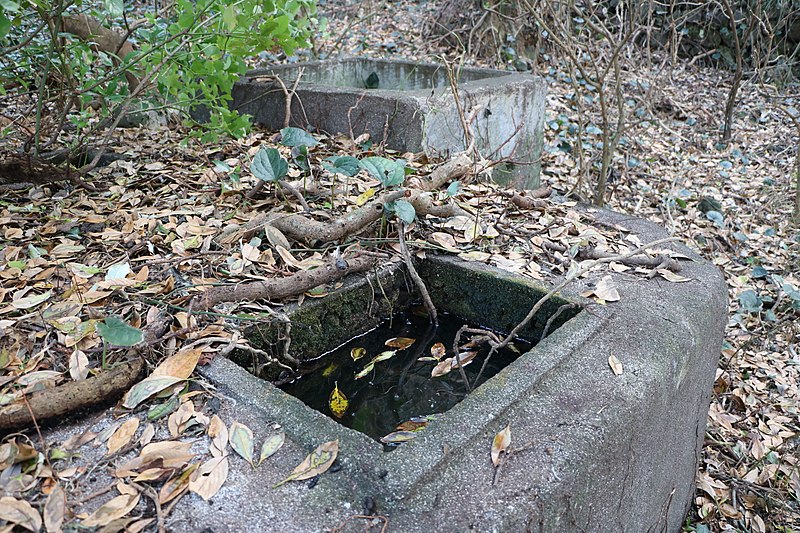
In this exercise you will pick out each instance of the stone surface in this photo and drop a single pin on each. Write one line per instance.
(600, 453)
(412, 108)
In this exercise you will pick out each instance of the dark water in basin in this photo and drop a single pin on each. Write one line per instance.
(400, 388)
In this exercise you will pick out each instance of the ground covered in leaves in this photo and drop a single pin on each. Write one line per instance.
(73, 260)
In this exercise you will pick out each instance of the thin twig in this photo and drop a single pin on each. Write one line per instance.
(426, 297)
(558, 288)
(458, 358)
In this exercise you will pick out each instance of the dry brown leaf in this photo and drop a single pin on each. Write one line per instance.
(209, 477)
(139, 525)
(165, 454)
(179, 418)
(122, 435)
(177, 486)
(672, 276)
(78, 365)
(20, 512)
(218, 433)
(500, 444)
(606, 290)
(55, 509)
(615, 364)
(315, 463)
(111, 510)
(148, 433)
(181, 365)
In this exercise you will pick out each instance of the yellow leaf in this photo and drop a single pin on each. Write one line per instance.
(383, 356)
(362, 198)
(338, 402)
(241, 439)
(500, 444)
(330, 369)
(357, 353)
(315, 463)
(270, 446)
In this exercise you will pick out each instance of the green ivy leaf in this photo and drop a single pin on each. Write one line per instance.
(297, 137)
(750, 301)
(454, 189)
(268, 165)
(390, 173)
(346, 164)
(5, 25)
(405, 211)
(114, 8)
(118, 333)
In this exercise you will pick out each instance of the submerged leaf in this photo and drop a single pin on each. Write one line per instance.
(401, 343)
(357, 353)
(446, 365)
(383, 356)
(500, 444)
(338, 402)
(366, 370)
(316, 463)
(438, 350)
(330, 369)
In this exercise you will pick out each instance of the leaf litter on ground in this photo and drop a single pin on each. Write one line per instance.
(165, 214)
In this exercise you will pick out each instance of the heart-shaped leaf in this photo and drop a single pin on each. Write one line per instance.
(118, 333)
(346, 164)
(405, 211)
(390, 173)
(297, 137)
(268, 165)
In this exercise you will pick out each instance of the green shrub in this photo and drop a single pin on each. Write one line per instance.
(186, 57)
